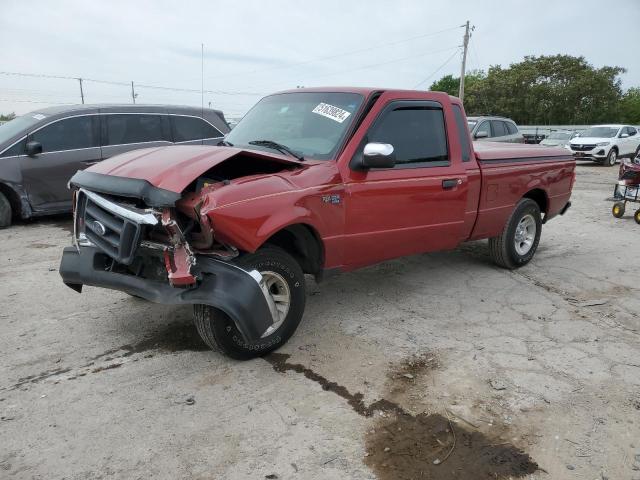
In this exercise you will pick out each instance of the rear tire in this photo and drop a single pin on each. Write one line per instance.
(612, 158)
(518, 242)
(285, 281)
(618, 209)
(5, 211)
(636, 216)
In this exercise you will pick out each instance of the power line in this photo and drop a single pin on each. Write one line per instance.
(439, 68)
(343, 54)
(378, 64)
(128, 84)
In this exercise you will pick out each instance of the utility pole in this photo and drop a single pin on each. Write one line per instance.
(133, 93)
(464, 60)
(81, 91)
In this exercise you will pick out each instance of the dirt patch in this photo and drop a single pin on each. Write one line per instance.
(404, 376)
(356, 400)
(175, 337)
(405, 446)
(39, 377)
(432, 447)
(41, 245)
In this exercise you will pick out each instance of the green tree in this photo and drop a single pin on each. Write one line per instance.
(555, 89)
(630, 106)
(7, 117)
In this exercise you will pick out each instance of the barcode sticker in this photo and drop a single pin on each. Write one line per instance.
(334, 113)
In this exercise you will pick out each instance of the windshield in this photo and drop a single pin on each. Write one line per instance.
(311, 124)
(600, 132)
(559, 136)
(17, 125)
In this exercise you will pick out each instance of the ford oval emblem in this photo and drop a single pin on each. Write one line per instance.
(99, 228)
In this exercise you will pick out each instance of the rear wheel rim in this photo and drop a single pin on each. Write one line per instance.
(525, 234)
(279, 298)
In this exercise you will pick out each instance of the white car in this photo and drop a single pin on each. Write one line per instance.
(606, 143)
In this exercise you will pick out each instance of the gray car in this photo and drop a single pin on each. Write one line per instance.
(494, 129)
(559, 138)
(40, 151)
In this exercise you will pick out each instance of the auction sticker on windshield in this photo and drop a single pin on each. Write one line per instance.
(329, 111)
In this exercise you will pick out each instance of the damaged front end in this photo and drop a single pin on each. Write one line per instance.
(129, 236)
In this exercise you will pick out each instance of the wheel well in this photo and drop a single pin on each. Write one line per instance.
(540, 197)
(303, 243)
(14, 200)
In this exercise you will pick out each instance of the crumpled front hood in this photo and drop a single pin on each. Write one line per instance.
(174, 167)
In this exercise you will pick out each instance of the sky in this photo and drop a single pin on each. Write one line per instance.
(253, 48)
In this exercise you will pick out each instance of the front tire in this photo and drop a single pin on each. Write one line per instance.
(612, 158)
(518, 242)
(5, 212)
(284, 279)
(636, 216)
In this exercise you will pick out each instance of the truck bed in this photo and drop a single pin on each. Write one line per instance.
(510, 170)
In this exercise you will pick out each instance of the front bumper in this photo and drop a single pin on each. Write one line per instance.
(220, 284)
(598, 153)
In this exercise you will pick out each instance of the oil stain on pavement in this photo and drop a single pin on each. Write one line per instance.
(405, 446)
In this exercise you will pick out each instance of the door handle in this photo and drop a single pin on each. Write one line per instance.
(451, 183)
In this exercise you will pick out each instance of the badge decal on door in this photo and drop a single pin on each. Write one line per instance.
(333, 198)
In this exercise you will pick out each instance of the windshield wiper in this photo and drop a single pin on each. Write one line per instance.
(276, 146)
(224, 143)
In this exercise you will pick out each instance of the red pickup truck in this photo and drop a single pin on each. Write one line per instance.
(311, 181)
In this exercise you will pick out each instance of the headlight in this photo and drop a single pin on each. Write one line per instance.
(602, 144)
(567, 146)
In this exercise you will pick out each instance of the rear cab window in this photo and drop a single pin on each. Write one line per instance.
(416, 129)
(463, 136)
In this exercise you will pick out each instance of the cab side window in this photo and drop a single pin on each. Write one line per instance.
(417, 134)
(499, 128)
(192, 128)
(511, 128)
(485, 127)
(17, 149)
(68, 134)
(123, 129)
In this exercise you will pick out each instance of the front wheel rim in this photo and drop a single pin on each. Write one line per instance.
(525, 234)
(612, 157)
(278, 295)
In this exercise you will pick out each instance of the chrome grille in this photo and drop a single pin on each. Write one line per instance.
(114, 228)
(582, 148)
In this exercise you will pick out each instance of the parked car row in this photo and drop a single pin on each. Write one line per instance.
(40, 151)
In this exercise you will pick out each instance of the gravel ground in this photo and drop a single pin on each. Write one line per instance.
(434, 366)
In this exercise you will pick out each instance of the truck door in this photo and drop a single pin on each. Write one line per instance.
(68, 145)
(420, 204)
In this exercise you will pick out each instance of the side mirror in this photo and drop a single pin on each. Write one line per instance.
(624, 135)
(482, 134)
(34, 148)
(378, 155)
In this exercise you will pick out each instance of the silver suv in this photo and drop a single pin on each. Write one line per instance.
(494, 129)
